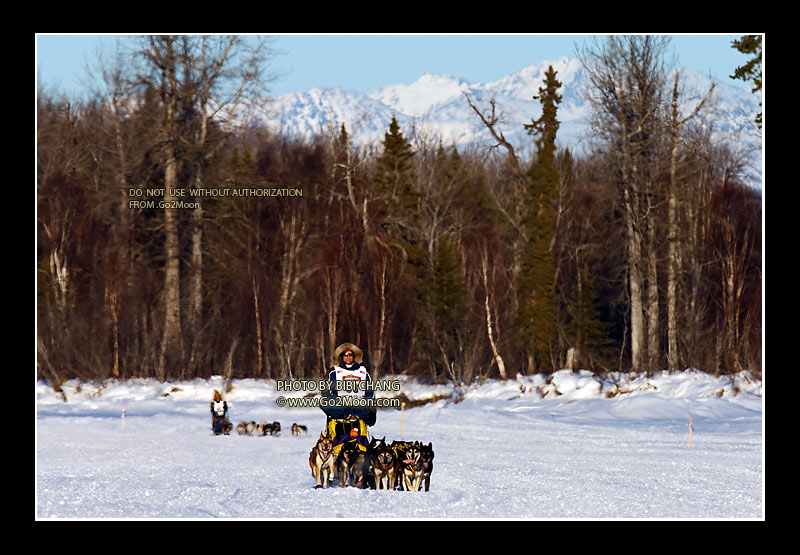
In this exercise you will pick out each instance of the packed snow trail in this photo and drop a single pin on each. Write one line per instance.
(500, 454)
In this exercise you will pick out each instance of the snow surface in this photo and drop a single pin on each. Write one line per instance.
(568, 446)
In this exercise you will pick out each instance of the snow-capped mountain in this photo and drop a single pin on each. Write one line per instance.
(435, 107)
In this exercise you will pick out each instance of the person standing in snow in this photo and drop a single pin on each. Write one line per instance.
(219, 415)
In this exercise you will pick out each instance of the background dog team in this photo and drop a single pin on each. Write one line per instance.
(268, 429)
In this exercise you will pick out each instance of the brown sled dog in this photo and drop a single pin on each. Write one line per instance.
(322, 461)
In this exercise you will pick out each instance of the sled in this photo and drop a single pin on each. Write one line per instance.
(221, 426)
(350, 429)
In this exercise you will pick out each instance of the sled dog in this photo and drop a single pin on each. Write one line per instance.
(299, 430)
(409, 468)
(366, 470)
(344, 462)
(426, 463)
(384, 466)
(269, 429)
(361, 475)
(322, 461)
(246, 428)
(375, 443)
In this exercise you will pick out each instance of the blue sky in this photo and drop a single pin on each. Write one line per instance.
(367, 62)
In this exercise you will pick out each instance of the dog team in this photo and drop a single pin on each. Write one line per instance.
(220, 425)
(260, 429)
(268, 429)
(402, 465)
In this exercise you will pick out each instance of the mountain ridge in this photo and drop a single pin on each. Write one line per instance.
(434, 107)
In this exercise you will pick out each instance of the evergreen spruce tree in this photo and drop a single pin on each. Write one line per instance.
(587, 333)
(442, 330)
(393, 167)
(399, 207)
(469, 188)
(242, 166)
(750, 44)
(343, 140)
(448, 289)
(341, 147)
(536, 282)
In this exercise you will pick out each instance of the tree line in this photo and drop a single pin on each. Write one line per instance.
(643, 254)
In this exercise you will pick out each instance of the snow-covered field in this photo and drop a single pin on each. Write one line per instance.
(574, 446)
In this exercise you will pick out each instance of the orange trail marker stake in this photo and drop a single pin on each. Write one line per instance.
(691, 428)
(402, 413)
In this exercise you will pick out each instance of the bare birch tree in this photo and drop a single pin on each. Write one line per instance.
(208, 79)
(674, 256)
(223, 74)
(161, 54)
(626, 81)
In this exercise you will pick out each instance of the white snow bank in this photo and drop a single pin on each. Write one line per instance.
(563, 446)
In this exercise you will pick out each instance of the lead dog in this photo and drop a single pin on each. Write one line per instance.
(426, 462)
(361, 473)
(408, 465)
(345, 461)
(384, 466)
(370, 459)
(375, 443)
(362, 470)
(322, 461)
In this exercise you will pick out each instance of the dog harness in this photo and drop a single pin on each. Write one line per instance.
(399, 454)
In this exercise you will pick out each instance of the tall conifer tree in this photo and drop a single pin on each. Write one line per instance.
(449, 290)
(750, 44)
(536, 281)
(400, 209)
(393, 168)
(587, 332)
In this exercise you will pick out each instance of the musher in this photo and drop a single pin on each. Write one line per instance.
(219, 415)
(349, 376)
